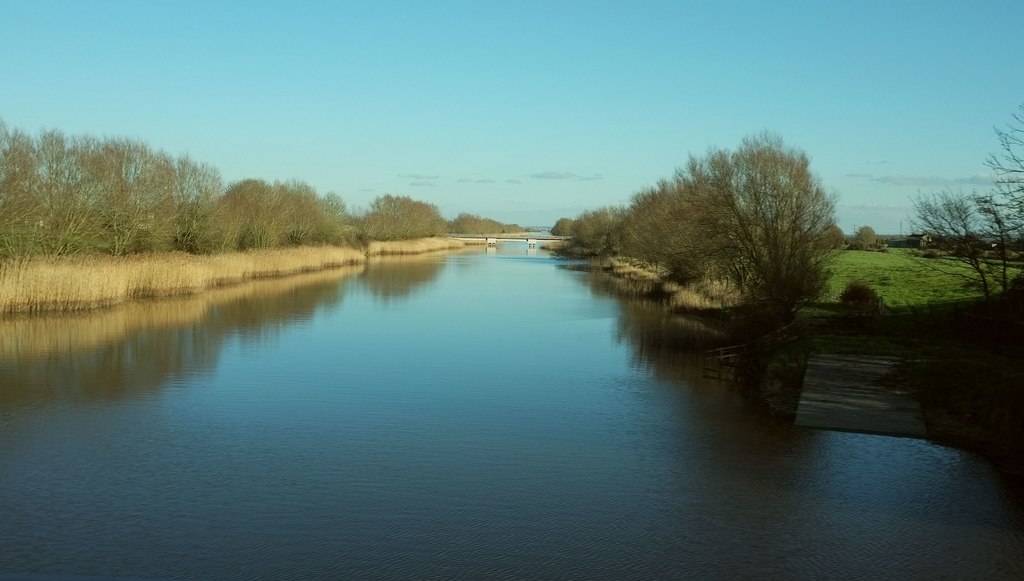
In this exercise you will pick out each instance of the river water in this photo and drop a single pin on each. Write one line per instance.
(470, 415)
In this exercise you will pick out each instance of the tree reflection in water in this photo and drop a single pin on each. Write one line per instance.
(392, 278)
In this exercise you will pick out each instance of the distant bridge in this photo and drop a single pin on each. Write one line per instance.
(530, 240)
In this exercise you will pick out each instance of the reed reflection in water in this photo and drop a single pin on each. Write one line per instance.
(141, 346)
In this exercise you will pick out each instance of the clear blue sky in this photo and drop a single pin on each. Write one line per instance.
(528, 111)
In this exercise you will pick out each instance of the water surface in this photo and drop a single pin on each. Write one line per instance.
(476, 415)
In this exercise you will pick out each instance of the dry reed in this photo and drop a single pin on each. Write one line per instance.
(79, 283)
(702, 295)
(53, 334)
(413, 246)
(633, 270)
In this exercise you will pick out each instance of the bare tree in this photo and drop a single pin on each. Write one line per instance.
(971, 231)
(401, 218)
(338, 225)
(1008, 164)
(132, 190)
(197, 186)
(258, 211)
(43, 209)
(865, 238)
(66, 219)
(599, 232)
(836, 238)
(983, 231)
(660, 226)
(303, 212)
(17, 204)
(765, 219)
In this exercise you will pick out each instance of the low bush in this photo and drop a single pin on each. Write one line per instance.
(859, 295)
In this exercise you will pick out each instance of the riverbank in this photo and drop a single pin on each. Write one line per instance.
(80, 283)
(56, 335)
(967, 380)
(965, 375)
(77, 283)
(707, 298)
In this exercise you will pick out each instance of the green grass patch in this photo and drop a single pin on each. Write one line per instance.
(902, 279)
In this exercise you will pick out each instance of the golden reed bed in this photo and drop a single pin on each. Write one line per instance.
(63, 334)
(413, 246)
(85, 282)
(697, 296)
(79, 283)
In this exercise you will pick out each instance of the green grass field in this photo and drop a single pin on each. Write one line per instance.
(903, 280)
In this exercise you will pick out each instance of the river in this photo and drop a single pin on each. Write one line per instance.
(469, 415)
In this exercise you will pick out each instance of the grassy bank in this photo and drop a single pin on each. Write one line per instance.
(86, 282)
(963, 365)
(970, 386)
(902, 278)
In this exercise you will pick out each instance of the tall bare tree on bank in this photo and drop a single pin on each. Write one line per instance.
(196, 189)
(258, 213)
(131, 187)
(765, 219)
(17, 173)
(956, 229)
(982, 230)
(973, 230)
(66, 212)
(1008, 164)
(1005, 206)
(44, 205)
(338, 226)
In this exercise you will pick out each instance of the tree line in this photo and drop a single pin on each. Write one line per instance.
(755, 219)
(758, 220)
(62, 195)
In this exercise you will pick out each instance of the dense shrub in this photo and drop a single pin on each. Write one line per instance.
(563, 227)
(859, 295)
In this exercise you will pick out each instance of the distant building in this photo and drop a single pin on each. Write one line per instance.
(912, 241)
